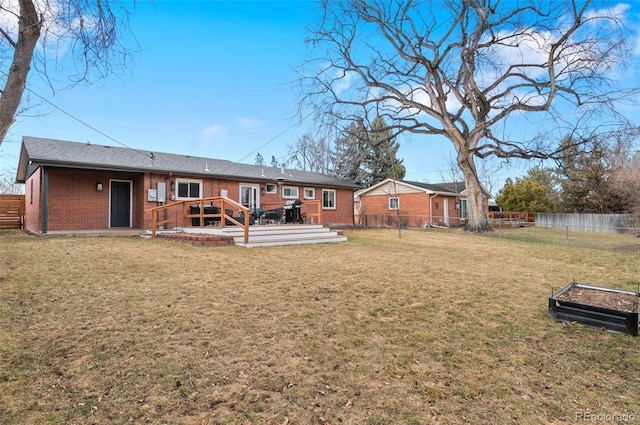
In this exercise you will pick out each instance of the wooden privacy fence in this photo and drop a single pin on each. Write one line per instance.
(603, 223)
(11, 211)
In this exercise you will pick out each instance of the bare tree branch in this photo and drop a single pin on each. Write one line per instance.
(470, 71)
(82, 35)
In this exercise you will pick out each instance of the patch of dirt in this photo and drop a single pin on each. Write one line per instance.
(634, 247)
(627, 303)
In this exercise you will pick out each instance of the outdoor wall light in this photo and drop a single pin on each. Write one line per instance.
(99, 187)
(172, 185)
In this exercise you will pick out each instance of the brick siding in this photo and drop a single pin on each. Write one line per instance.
(414, 208)
(74, 203)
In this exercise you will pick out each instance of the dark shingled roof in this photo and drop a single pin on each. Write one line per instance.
(453, 187)
(50, 152)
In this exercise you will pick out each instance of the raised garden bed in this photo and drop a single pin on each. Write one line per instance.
(614, 310)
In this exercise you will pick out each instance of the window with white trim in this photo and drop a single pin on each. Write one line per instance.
(309, 193)
(328, 199)
(290, 192)
(188, 189)
(394, 203)
(271, 188)
(463, 208)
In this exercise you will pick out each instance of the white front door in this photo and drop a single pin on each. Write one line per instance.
(250, 196)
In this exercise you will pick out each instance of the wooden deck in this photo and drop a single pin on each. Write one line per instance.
(511, 219)
(259, 235)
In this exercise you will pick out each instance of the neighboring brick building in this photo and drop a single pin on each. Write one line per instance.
(415, 204)
(81, 186)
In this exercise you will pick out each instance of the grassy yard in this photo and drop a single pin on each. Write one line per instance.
(433, 327)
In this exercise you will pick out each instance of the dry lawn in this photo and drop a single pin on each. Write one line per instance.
(434, 327)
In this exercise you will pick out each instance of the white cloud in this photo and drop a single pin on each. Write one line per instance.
(248, 123)
(343, 80)
(9, 17)
(615, 12)
(212, 133)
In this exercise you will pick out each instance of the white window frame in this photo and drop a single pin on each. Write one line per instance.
(188, 181)
(463, 208)
(335, 200)
(271, 188)
(312, 191)
(255, 194)
(290, 189)
(397, 201)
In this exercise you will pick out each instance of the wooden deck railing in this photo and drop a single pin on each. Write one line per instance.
(511, 217)
(179, 213)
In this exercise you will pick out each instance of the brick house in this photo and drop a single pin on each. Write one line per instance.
(415, 204)
(82, 186)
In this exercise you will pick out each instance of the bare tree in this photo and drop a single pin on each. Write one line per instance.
(310, 153)
(495, 78)
(452, 172)
(8, 183)
(51, 36)
(486, 169)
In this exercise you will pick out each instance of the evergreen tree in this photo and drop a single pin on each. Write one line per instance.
(274, 161)
(524, 195)
(348, 155)
(585, 177)
(380, 156)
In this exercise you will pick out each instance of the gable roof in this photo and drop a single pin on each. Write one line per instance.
(454, 188)
(450, 189)
(37, 151)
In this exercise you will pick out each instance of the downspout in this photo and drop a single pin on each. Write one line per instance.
(357, 203)
(45, 200)
(353, 210)
(431, 209)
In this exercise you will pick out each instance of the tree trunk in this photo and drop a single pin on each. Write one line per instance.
(28, 34)
(477, 216)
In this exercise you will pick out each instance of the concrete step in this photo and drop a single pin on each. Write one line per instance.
(274, 235)
(298, 241)
(284, 235)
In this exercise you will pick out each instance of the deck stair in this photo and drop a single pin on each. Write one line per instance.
(284, 235)
(274, 235)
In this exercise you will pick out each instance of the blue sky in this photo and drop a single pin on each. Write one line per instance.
(211, 78)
